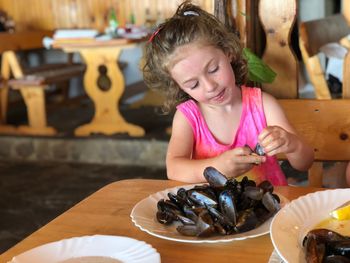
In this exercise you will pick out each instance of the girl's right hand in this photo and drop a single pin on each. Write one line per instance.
(238, 161)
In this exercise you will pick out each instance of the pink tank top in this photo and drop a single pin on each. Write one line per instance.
(251, 124)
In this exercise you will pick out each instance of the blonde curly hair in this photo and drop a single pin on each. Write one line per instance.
(189, 24)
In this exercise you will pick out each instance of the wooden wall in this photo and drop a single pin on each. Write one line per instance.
(53, 14)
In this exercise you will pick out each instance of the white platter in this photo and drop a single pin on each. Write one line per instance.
(296, 219)
(121, 249)
(144, 216)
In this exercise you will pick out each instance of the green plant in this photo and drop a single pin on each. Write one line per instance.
(258, 71)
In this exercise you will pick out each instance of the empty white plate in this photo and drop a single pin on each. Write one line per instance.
(109, 249)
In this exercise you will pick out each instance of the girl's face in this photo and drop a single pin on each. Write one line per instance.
(204, 73)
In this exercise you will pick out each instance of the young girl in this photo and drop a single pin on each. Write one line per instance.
(198, 63)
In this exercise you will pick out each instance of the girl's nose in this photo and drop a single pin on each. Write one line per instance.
(210, 84)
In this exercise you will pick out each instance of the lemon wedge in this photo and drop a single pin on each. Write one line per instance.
(342, 212)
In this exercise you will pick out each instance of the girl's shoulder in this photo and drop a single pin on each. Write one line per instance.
(256, 92)
(251, 91)
(187, 105)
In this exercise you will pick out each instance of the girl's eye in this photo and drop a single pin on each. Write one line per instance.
(194, 86)
(214, 69)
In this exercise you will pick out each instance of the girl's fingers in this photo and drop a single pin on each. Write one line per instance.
(251, 159)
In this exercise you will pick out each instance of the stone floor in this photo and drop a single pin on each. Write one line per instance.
(32, 194)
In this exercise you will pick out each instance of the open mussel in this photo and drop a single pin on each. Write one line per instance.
(224, 206)
(203, 227)
(324, 245)
(258, 149)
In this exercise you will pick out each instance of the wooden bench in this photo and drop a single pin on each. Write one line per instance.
(313, 35)
(32, 84)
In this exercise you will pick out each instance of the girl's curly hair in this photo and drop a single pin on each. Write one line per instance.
(189, 24)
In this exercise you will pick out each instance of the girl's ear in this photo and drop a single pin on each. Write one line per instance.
(230, 56)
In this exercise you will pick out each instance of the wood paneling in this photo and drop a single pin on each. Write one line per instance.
(53, 14)
(278, 53)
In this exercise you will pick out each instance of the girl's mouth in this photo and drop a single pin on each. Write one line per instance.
(220, 96)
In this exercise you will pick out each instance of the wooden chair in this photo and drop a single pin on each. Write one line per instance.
(32, 84)
(324, 124)
(313, 35)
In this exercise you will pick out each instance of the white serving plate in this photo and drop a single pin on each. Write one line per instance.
(296, 219)
(144, 216)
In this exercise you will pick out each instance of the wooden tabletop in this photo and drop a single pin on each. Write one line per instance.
(23, 40)
(72, 45)
(107, 212)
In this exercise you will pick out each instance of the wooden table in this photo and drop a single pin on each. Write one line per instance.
(107, 212)
(107, 118)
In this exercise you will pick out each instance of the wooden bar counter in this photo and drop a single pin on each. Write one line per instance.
(107, 212)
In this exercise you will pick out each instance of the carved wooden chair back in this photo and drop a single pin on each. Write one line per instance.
(324, 124)
(313, 35)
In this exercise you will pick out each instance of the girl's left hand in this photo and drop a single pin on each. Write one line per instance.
(275, 139)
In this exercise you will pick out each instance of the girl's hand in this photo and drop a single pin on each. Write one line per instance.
(275, 139)
(238, 161)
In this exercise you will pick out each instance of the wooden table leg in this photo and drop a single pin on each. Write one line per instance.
(4, 89)
(34, 98)
(107, 118)
(3, 103)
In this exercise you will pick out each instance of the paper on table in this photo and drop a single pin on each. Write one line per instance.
(334, 50)
(75, 33)
(335, 53)
(335, 68)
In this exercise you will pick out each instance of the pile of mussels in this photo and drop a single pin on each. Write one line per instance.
(224, 206)
(324, 245)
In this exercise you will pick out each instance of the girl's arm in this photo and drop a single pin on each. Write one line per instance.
(178, 159)
(281, 137)
(181, 166)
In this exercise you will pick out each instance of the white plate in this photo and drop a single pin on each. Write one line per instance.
(144, 216)
(292, 222)
(119, 248)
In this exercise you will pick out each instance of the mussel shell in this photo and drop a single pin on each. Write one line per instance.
(214, 177)
(323, 235)
(270, 202)
(336, 259)
(253, 192)
(188, 230)
(185, 220)
(175, 199)
(266, 186)
(259, 150)
(201, 198)
(228, 206)
(165, 217)
(190, 212)
(205, 224)
(314, 252)
(247, 220)
(219, 217)
(220, 229)
(341, 248)
(167, 205)
(247, 182)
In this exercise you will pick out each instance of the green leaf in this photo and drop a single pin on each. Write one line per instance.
(258, 71)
